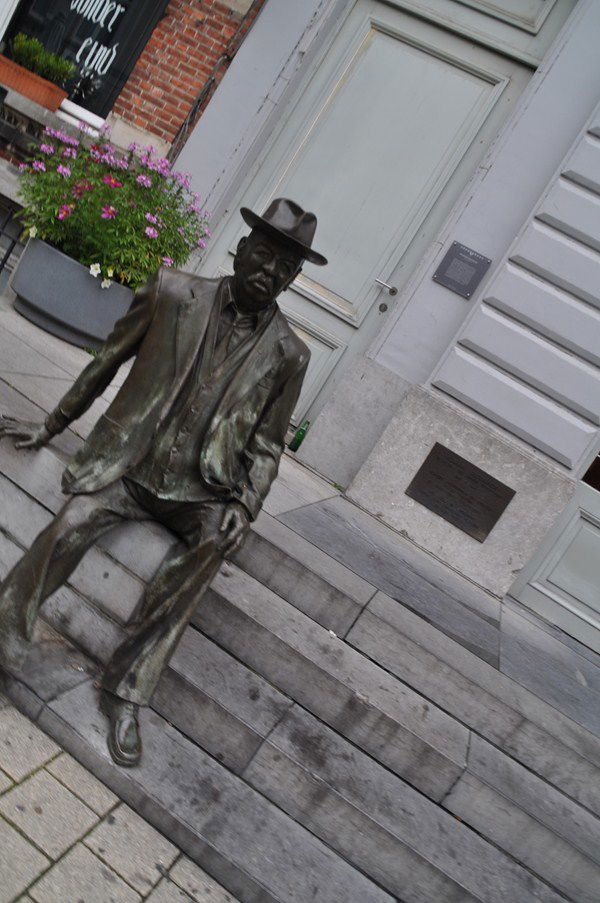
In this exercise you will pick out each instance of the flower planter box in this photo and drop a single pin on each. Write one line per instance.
(59, 294)
(30, 85)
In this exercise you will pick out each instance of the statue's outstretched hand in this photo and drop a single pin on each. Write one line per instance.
(25, 434)
(234, 524)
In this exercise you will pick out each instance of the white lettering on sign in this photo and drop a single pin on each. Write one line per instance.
(98, 11)
(99, 57)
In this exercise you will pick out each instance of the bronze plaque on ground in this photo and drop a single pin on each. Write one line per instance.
(461, 493)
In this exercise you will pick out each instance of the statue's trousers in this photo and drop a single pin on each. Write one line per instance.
(170, 598)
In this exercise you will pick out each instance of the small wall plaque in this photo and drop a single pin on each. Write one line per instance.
(461, 493)
(461, 270)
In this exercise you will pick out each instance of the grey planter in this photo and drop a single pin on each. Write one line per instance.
(59, 294)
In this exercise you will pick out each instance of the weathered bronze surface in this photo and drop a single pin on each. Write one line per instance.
(461, 493)
(192, 440)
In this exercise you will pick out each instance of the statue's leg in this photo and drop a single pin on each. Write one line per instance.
(171, 599)
(51, 559)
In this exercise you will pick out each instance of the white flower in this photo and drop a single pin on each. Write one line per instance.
(95, 269)
(106, 283)
(33, 231)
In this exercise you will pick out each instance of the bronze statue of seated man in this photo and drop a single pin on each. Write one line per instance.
(192, 440)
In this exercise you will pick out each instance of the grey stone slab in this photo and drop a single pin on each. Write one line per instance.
(330, 782)
(218, 702)
(394, 723)
(547, 805)
(535, 733)
(133, 848)
(523, 837)
(23, 746)
(5, 782)
(83, 784)
(53, 665)
(246, 842)
(294, 487)
(293, 581)
(167, 892)
(82, 876)
(71, 615)
(47, 813)
(16, 405)
(20, 863)
(352, 419)
(307, 553)
(550, 669)
(391, 564)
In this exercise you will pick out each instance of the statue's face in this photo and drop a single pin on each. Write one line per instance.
(263, 268)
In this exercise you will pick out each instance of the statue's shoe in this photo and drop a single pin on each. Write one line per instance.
(124, 740)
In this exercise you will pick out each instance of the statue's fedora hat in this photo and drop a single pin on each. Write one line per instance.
(287, 221)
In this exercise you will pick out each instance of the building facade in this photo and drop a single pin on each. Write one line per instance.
(445, 146)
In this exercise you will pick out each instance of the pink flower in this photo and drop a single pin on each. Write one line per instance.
(108, 212)
(110, 180)
(47, 148)
(64, 171)
(65, 211)
(167, 261)
(201, 243)
(80, 188)
(151, 232)
(151, 218)
(23, 167)
(39, 166)
(144, 181)
(69, 152)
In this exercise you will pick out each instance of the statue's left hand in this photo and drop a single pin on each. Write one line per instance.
(234, 524)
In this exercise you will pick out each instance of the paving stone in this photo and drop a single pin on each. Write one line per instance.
(550, 745)
(370, 707)
(507, 825)
(82, 783)
(330, 782)
(5, 782)
(195, 882)
(23, 746)
(47, 813)
(131, 847)
(20, 863)
(81, 876)
(167, 892)
(399, 569)
(246, 842)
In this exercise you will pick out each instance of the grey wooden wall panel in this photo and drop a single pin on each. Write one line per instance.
(528, 357)
(536, 361)
(518, 408)
(573, 210)
(548, 310)
(584, 166)
(560, 260)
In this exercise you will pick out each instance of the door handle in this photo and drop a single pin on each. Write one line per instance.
(390, 289)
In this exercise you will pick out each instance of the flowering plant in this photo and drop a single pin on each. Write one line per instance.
(123, 215)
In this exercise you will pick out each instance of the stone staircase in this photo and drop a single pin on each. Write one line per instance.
(314, 738)
(333, 726)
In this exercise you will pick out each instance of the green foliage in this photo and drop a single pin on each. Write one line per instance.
(31, 54)
(122, 214)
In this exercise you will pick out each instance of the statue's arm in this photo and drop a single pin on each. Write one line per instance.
(121, 344)
(268, 441)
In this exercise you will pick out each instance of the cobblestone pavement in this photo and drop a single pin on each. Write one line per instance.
(66, 838)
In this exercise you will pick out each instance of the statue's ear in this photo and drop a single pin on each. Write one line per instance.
(293, 276)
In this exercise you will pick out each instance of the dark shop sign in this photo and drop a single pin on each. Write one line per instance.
(104, 39)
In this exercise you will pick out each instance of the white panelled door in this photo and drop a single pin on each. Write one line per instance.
(381, 141)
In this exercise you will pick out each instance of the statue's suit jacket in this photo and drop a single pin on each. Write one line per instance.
(164, 329)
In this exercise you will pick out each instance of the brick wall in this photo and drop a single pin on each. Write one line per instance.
(179, 59)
